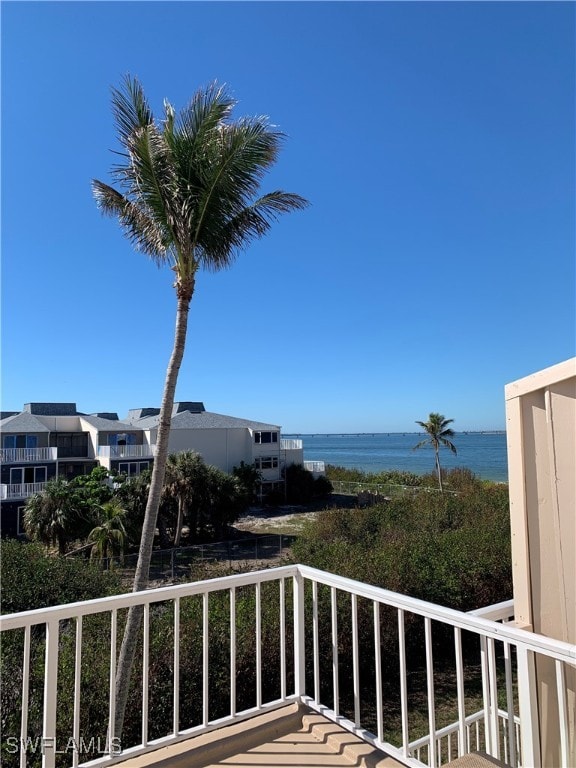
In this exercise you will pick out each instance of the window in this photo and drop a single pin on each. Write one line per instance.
(69, 444)
(20, 441)
(121, 438)
(132, 468)
(21, 475)
(266, 462)
(265, 437)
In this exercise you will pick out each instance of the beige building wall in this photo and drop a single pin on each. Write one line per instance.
(222, 448)
(541, 434)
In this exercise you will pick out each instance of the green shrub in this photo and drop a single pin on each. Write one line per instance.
(32, 579)
(450, 549)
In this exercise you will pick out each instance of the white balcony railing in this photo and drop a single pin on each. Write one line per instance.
(317, 467)
(15, 491)
(126, 451)
(327, 629)
(27, 455)
(291, 444)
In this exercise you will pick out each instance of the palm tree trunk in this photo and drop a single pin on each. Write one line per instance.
(179, 522)
(438, 469)
(131, 631)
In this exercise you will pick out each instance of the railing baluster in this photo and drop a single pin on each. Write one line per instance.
(258, 645)
(176, 681)
(485, 693)
(25, 692)
(562, 711)
(315, 642)
(403, 682)
(509, 729)
(299, 657)
(145, 662)
(50, 694)
(430, 688)
(334, 616)
(205, 658)
(233, 651)
(355, 659)
(493, 692)
(112, 681)
(460, 691)
(77, 691)
(282, 639)
(378, 671)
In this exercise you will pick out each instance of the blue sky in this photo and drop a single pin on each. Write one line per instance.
(435, 142)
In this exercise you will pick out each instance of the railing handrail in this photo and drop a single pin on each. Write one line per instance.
(531, 641)
(497, 612)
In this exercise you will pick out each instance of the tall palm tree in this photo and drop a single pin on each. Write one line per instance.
(187, 198)
(52, 516)
(438, 433)
(109, 536)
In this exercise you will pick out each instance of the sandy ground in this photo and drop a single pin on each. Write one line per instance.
(290, 516)
(258, 519)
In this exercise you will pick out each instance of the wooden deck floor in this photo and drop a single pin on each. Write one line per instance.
(289, 737)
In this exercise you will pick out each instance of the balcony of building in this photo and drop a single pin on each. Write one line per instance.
(317, 667)
(126, 451)
(18, 491)
(291, 444)
(27, 455)
(316, 467)
(110, 457)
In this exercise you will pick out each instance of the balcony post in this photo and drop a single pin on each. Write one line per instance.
(299, 668)
(50, 695)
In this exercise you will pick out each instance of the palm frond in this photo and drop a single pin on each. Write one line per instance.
(221, 241)
(448, 444)
(130, 109)
(141, 227)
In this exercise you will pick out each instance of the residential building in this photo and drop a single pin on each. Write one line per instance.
(47, 440)
(224, 441)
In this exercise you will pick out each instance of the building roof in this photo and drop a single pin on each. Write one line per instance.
(206, 420)
(109, 425)
(22, 422)
(51, 409)
(185, 415)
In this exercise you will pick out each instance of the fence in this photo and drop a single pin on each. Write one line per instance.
(170, 563)
(389, 490)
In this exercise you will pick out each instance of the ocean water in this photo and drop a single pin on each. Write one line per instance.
(482, 452)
